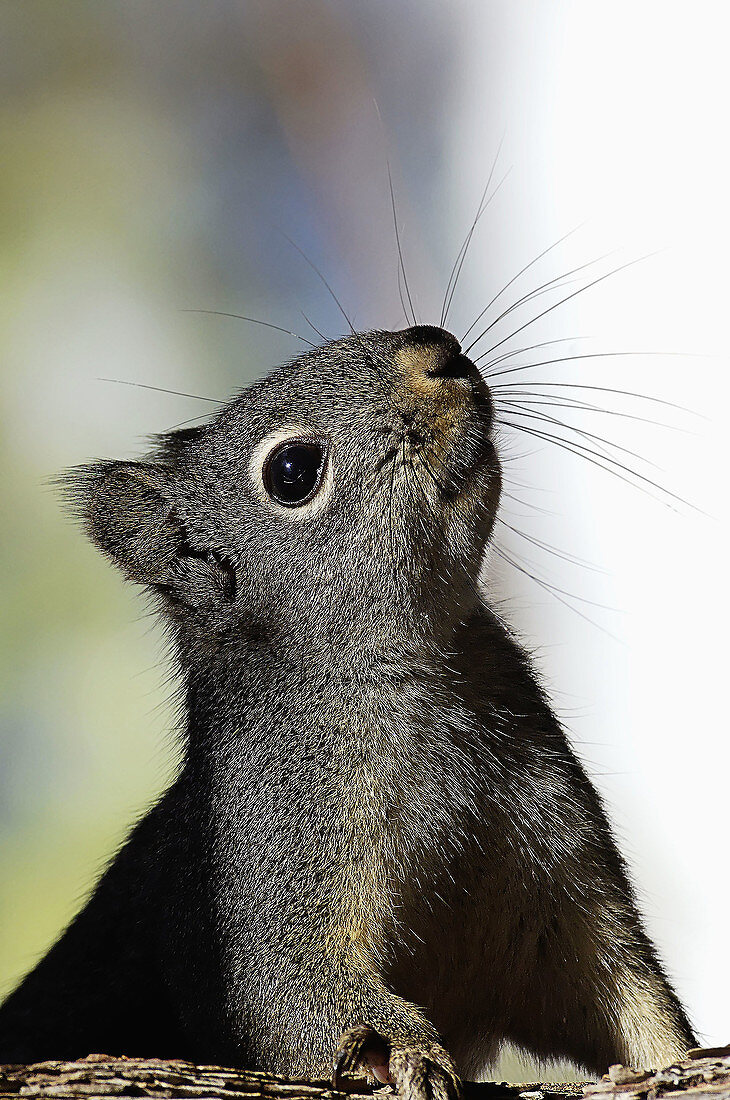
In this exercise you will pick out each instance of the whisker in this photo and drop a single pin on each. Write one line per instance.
(514, 279)
(563, 554)
(527, 398)
(468, 242)
(184, 423)
(564, 592)
(161, 389)
(252, 321)
(505, 494)
(402, 297)
(568, 297)
(317, 272)
(461, 255)
(516, 408)
(598, 389)
(313, 326)
(556, 283)
(555, 593)
(597, 459)
(512, 352)
(560, 594)
(402, 266)
(574, 358)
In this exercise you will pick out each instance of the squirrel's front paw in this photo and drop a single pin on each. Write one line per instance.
(419, 1070)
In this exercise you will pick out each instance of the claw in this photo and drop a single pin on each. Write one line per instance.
(338, 1068)
(361, 1046)
(423, 1072)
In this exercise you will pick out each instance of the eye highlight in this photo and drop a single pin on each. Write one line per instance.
(292, 472)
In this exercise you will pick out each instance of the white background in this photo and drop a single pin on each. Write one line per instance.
(616, 116)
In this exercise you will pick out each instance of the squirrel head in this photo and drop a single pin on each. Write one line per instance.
(352, 491)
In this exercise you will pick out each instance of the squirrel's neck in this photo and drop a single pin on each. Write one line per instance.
(268, 688)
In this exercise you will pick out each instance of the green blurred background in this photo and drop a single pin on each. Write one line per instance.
(155, 158)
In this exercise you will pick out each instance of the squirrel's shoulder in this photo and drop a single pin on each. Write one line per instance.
(497, 661)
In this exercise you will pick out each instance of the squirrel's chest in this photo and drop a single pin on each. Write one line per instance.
(362, 809)
(413, 799)
(404, 772)
(364, 785)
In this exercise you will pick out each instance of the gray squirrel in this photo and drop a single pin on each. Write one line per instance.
(380, 848)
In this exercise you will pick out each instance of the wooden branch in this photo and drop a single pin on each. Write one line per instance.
(704, 1075)
(99, 1075)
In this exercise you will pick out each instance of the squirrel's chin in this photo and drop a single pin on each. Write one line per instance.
(475, 488)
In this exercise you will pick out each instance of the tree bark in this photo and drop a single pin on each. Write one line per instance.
(704, 1074)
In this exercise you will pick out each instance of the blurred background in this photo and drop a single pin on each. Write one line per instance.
(156, 159)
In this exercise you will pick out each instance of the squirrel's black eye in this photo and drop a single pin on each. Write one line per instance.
(293, 472)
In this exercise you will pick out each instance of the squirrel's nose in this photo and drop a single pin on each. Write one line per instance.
(441, 355)
(455, 366)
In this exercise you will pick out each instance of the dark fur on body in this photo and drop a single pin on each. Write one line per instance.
(377, 809)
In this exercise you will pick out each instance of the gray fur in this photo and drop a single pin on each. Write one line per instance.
(377, 809)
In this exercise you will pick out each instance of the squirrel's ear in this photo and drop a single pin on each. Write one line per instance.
(125, 511)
